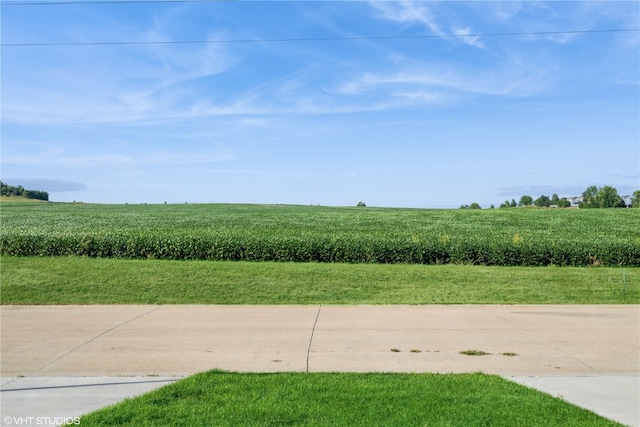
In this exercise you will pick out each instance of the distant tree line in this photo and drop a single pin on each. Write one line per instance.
(541, 202)
(607, 197)
(20, 191)
(592, 197)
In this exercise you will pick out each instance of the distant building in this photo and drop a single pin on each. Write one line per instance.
(575, 201)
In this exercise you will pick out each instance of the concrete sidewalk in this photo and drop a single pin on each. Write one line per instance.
(541, 346)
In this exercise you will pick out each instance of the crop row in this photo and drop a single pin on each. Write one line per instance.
(312, 234)
(362, 250)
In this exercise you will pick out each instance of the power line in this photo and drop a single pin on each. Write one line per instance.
(312, 39)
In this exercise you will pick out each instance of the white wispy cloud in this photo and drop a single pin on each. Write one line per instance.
(408, 13)
(502, 82)
(468, 36)
(418, 13)
(419, 95)
(124, 85)
(505, 10)
(98, 157)
(158, 83)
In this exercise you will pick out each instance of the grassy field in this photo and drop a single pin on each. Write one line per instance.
(19, 199)
(573, 237)
(78, 280)
(232, 399)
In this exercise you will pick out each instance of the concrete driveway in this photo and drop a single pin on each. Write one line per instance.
(589, 355)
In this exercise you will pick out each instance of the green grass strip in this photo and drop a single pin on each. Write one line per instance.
(77, 280)
(218, 398)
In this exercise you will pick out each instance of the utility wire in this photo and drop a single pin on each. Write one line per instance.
(308, 39)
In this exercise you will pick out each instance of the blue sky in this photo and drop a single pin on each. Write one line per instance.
(403, 121)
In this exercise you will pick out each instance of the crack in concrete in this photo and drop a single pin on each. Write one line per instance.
(311, 338)
(92, 339)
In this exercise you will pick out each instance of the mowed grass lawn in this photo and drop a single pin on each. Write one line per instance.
(219, 398)
(80, 280)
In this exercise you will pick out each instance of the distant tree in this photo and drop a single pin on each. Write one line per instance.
(506, 204)
(513, 203)
(589, 198)
(526, 201)
(635, 201)
(555, 199)
(492, 207)
(474, 205)
(542, 201)
(19, 191)
(564, 203)
(607, 197)
(35, 194)
(361, 205)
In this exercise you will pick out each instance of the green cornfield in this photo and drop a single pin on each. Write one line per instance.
(520, 236)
